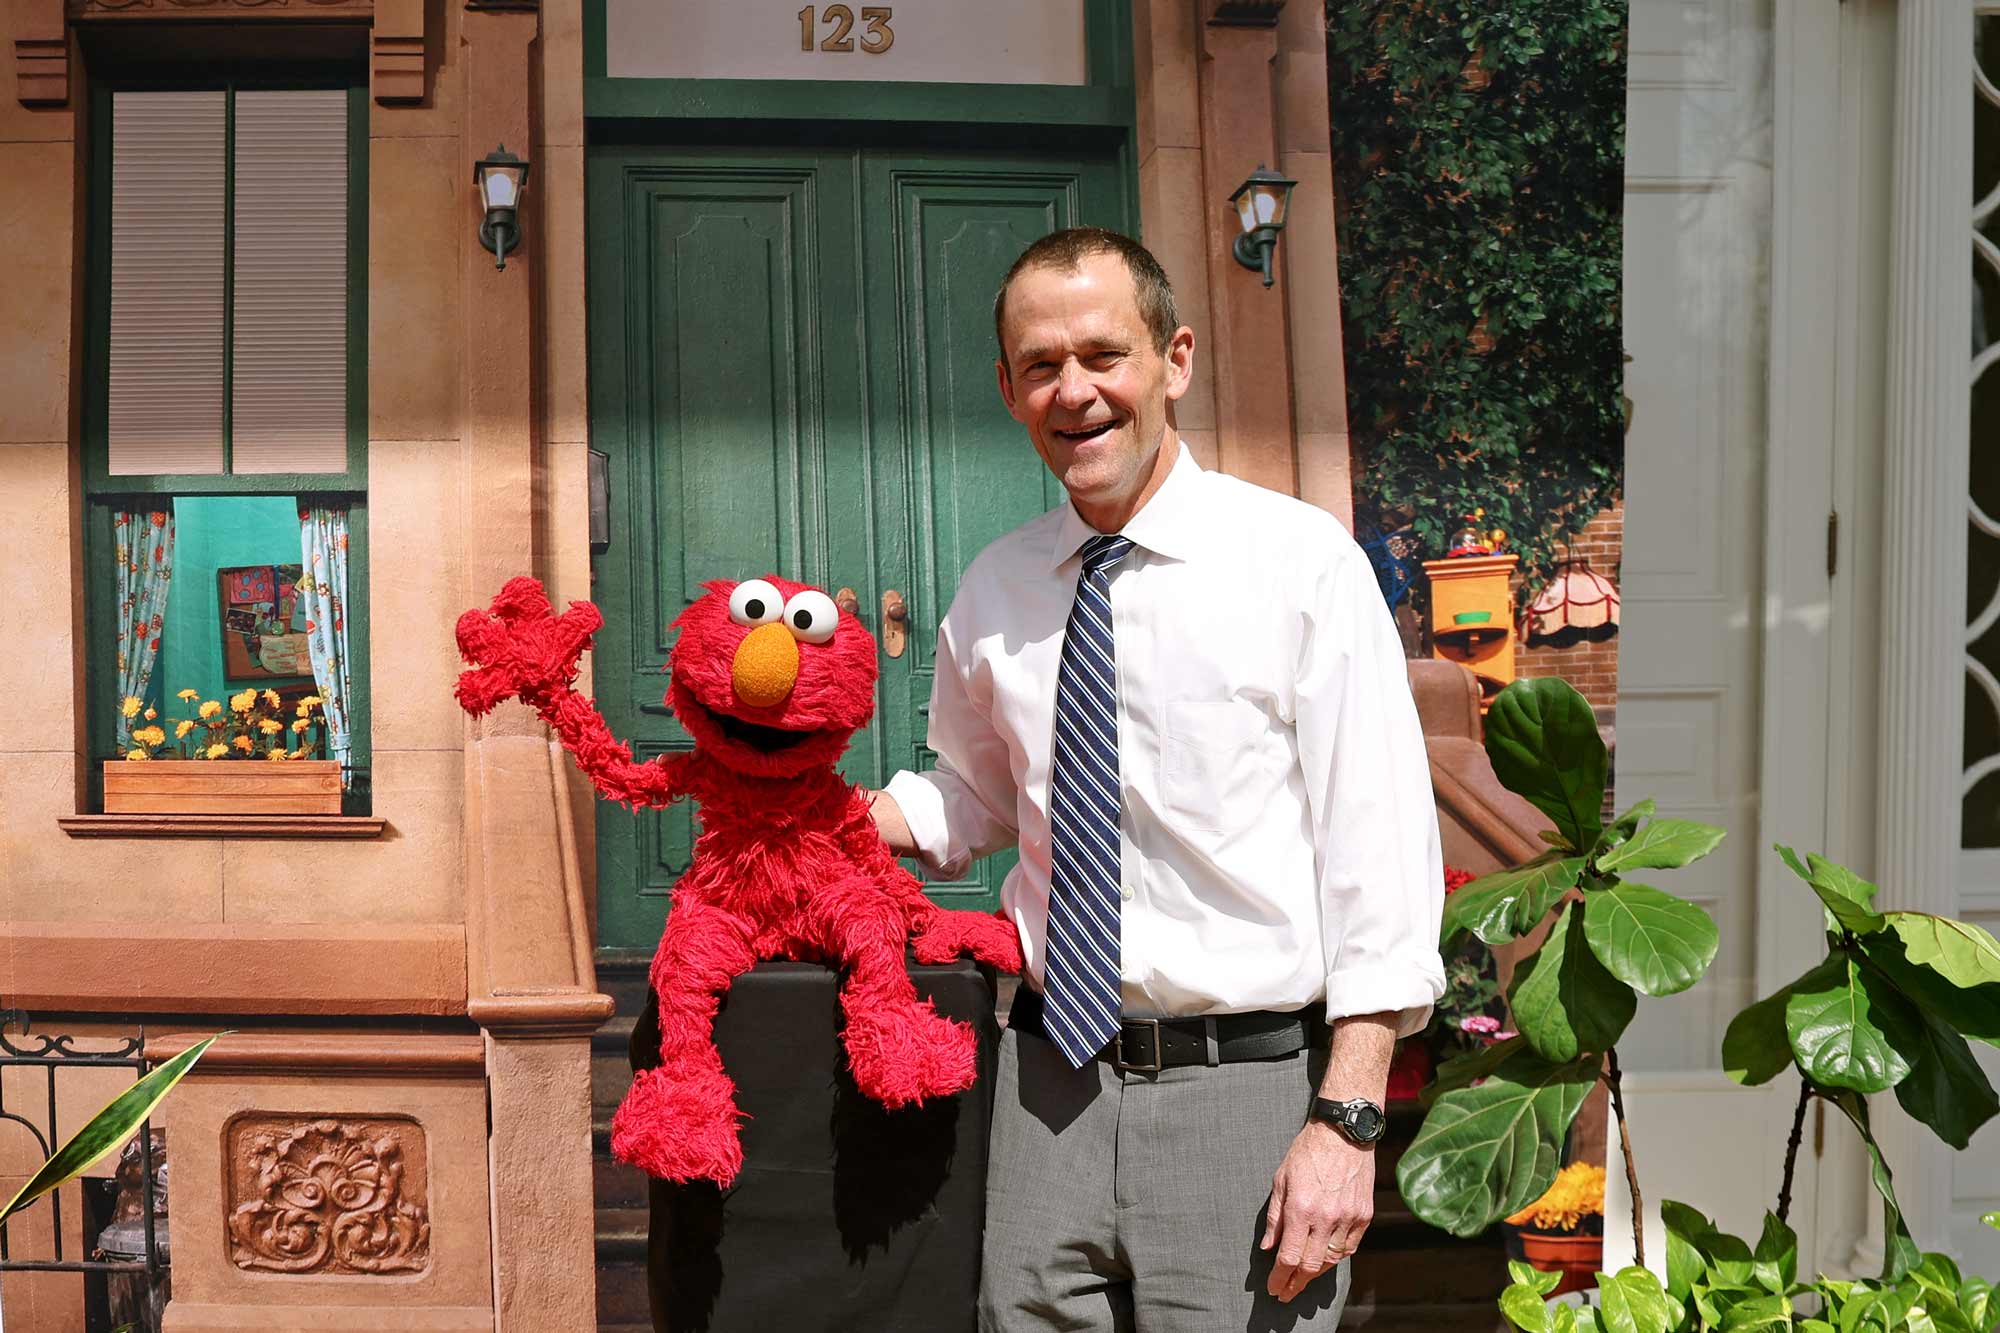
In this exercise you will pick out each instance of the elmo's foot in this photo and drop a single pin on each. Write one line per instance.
(908, 1053)
(680, 1129)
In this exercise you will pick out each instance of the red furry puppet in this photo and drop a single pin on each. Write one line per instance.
(771, 679)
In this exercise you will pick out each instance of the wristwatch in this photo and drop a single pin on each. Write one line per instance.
(1361, 1120)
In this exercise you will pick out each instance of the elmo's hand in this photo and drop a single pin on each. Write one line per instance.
(990, 939)
(520, 647)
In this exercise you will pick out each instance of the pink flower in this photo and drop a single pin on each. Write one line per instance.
(1484, 1024)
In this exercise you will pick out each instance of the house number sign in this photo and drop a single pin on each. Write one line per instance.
(928, 41)
(839, 20)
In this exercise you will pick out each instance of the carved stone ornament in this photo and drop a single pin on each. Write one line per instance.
(328, 1197)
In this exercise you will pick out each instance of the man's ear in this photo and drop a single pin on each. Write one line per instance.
(1180, 362)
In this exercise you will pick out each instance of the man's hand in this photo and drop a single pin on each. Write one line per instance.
(1322, 1200)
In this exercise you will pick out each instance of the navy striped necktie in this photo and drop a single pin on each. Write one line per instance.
(1080, 977)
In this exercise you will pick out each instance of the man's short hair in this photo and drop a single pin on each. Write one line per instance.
(1067, 249)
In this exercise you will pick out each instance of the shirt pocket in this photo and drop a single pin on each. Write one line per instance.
(1207, 751)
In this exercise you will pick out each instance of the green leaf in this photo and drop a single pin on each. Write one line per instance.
(1775, 1262)
(1632, 1301)
(1509, 903)
(1526, 1308)
(1991, 1219)
(1462, 1071)
(1664, 844)
(1975, 1012)
(107, 1130)
(1960, 952)
(1900, 1253)
(1541, 736)
(1650, 940)
(1528, 1275)
(1762, 1311)
(1757, 1047)
(1621, 828)
(1845, 895)
(1563, 1000)
(1488, 1151)
(1685, 1260)
(1946, 1089)
(1849, 1031)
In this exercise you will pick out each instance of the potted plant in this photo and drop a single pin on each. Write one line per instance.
(1889, 1009)
(1563, 1231)
(192, 765)
(1466, 1018)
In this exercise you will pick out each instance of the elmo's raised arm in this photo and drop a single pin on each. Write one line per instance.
(522, 650)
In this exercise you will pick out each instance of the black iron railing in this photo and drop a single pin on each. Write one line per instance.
(55, 1055)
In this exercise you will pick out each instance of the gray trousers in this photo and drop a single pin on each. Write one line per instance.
(1133, 1203)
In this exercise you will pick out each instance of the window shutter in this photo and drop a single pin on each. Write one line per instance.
(289, 331)
(167, 202)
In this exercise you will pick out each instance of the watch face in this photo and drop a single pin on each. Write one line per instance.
(1366, 1120)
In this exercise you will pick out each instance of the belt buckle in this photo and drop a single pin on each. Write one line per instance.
(1124, 1066)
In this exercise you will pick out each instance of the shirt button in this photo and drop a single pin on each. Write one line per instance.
(1125, 892)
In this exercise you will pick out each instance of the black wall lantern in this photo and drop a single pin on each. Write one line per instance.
(1261, 203)
(501, 177)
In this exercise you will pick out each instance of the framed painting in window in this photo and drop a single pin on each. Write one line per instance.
(263, 623)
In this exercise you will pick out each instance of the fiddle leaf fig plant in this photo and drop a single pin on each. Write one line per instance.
(1493, 1139)
(1891, 1006)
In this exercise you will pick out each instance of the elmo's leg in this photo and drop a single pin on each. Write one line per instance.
(679, 1121)
(900, 1049)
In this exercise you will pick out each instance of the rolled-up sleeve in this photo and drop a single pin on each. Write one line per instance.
(1381, 873)
(965, 807)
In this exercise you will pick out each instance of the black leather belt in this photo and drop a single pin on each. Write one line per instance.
(1148, 1045)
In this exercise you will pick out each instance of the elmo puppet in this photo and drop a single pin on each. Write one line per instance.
(771, 679)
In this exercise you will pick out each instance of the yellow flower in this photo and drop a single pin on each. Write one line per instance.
(210, 709)
(152, 713)
(150, 735)
(137, 754)
(301, 725)
(1577, 1193)
(133, 703)
(311, 701)
(270, 726)
(189, 695)
(244, 702)
(271, 698)
(278, 752)
(182, 728)
(244, 743)
(217, 751)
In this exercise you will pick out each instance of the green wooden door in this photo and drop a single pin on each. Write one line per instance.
(792, 371)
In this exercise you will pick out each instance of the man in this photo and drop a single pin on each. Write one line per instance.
(1184, 699)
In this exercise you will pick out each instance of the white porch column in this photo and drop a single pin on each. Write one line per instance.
(1925, 479)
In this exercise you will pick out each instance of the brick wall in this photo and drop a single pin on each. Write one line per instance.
(1591, 667)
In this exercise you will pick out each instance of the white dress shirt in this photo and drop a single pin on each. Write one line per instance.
(1278, 838)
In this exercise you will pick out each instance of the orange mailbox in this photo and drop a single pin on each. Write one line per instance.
(1472, 617)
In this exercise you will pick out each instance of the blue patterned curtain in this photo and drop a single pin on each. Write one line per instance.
(145, 566)
(323, 543)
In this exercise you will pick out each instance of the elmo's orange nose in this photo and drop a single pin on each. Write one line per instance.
(767, 664)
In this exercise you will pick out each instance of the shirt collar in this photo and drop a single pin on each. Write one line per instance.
(1165, 525)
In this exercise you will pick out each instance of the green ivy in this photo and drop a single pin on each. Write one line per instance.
(1479, 153)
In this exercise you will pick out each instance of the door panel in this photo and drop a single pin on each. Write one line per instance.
(792, 371)
(945, 231)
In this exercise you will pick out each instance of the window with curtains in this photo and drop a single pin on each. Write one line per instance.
(225, 454)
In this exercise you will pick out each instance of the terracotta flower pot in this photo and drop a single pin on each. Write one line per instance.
(1577, 1255)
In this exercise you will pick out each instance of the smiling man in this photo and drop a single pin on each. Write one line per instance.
(1182, 696)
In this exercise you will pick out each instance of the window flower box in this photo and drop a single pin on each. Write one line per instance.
(205, 787)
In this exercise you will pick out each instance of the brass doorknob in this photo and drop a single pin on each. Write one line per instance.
(847, 601)
(895, 623)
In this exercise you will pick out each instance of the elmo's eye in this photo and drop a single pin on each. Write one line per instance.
(755, 602)
(811, 616)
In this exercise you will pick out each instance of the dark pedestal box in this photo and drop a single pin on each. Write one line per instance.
(847, 1216)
